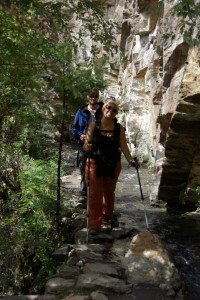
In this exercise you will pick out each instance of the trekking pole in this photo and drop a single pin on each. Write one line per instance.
(88, 195)
(135, 158)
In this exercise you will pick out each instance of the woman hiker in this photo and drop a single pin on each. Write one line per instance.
(105, 140)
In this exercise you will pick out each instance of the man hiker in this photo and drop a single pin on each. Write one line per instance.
(88, 113)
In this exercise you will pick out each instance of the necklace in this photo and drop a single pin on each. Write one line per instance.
(107, 129)
(106, 132)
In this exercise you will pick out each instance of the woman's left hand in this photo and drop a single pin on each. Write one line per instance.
(134, 163)
(87, 146)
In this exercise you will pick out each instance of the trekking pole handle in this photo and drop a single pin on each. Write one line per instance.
(137, 162)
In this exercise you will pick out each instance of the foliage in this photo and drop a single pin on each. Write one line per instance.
(39, 51)
(38, 56)
(189, 10)
(32, 237)
(41, 83)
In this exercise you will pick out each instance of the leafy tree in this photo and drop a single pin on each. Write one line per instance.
(40, 85)
(39, 73)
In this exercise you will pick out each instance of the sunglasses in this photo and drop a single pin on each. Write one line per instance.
(114, 110)
(112, 98)
(93, 97)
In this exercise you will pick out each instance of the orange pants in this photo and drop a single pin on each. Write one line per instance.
(101, 195)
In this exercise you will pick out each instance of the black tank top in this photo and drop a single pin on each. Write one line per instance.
(107, 146)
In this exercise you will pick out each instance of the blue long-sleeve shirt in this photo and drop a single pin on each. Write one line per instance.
(81, 121)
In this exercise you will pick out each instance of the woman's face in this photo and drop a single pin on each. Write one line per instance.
(110, 110)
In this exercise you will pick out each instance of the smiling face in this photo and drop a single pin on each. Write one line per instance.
(93, 97)
(92, 100)
(110, 109)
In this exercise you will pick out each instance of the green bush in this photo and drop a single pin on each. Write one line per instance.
(28, 232)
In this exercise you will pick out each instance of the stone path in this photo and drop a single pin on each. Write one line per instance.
(127, 263)
(98, 269)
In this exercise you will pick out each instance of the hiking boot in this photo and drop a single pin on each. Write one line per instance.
(111, 223)
(93, 231)
(114, 223)
(106, 225)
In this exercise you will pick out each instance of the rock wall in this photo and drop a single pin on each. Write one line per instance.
(154, 78)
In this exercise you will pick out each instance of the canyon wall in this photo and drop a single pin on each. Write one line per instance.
(155, 79)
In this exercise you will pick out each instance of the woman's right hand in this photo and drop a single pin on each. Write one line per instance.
(87, 146)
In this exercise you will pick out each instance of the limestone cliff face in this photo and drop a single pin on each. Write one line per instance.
(157, 88)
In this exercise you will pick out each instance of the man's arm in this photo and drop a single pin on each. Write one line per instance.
(76, 126)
